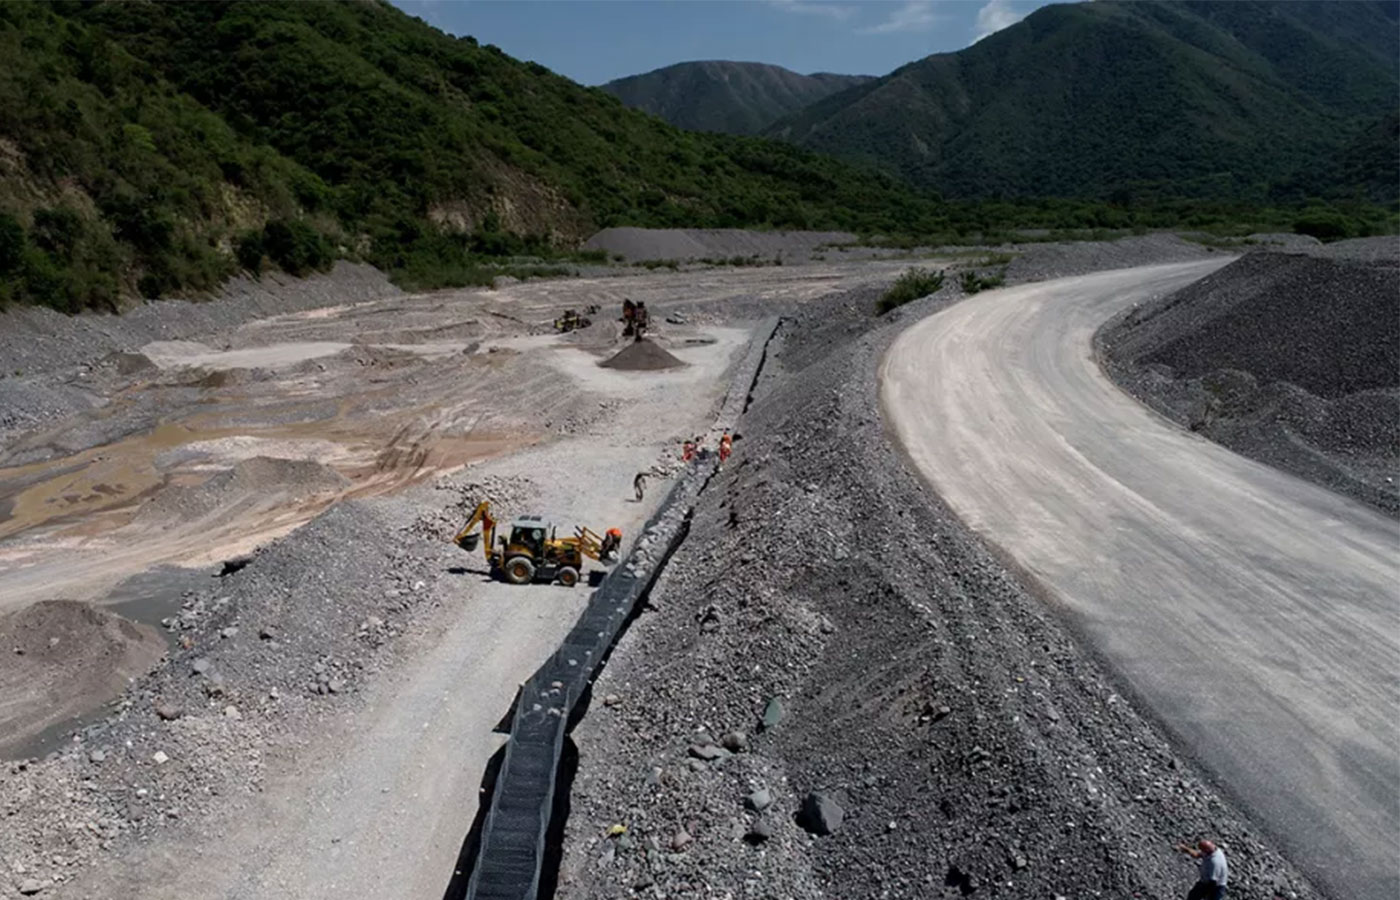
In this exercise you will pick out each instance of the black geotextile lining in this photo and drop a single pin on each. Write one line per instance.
(513, 840)
(512, 849)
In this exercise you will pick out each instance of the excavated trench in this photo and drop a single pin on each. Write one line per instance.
(514, 846)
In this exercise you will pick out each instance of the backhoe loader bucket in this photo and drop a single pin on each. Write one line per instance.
(470, 542)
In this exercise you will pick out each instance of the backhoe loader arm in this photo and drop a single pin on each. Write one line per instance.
(590, 544)
(482, 516)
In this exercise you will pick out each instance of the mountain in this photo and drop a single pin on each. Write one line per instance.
(150, 148)
(1127, 99)
(728, 97)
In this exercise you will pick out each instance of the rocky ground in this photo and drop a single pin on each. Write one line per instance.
(1292, 358)
(828, 627)
(840, 692)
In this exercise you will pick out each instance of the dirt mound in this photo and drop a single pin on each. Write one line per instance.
(641, 356)
(255, 481)
(61, 659)
(128, 363)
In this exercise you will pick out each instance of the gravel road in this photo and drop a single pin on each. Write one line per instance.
(1254, 613)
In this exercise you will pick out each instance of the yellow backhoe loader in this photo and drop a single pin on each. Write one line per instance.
(533, 552)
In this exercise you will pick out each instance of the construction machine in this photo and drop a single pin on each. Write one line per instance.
(635, 319)
(532, 550)
(571, 321)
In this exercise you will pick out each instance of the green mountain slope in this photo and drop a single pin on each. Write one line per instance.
(728, 97)
(1126, 99)
(146, 148)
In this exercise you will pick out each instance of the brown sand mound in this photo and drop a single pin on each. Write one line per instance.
(62, 659)
(641, 356)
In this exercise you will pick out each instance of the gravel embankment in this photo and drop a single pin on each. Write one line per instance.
(683, 244)
(832, 651)
(1292, 358)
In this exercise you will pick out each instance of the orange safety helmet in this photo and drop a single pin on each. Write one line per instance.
(615, 532)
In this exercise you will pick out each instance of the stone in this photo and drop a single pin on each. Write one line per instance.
(159, 758)
(706, 752)
(681, 840)
(98, 756)
(735, 741)
(200, 666)
(231, 712)
(168, 711)
(228, 632)
(772, 714)
(820, 814)
(759, 832)
(214, 685)
(335, 685)
(30, 886)
(267, 633)
(759, 800)
(612, 700)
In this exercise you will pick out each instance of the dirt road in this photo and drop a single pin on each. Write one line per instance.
(1255, 614)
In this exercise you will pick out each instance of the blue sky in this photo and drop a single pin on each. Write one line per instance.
(593, 41)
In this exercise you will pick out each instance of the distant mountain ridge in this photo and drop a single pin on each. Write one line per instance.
(1242, 99)
(728, 97)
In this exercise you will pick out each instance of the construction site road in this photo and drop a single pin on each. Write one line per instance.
(1255, 615)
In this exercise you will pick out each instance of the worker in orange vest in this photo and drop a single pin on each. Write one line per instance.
(612, 542)
(687, 451)
(726, 446)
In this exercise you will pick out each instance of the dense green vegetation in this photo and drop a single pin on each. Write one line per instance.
(1137, 103)
(728, 97)
(911, 286)
(177, 143)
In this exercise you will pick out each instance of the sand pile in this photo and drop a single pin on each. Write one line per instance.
(259, 480)
(641, 356)
(62, 659)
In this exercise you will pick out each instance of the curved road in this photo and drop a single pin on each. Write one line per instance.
(1257, 615)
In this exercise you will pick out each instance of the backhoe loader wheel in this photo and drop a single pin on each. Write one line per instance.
(568, 576)
(519, 570)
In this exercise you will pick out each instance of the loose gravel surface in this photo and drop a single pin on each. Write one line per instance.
(839, 691)
(1292, 358)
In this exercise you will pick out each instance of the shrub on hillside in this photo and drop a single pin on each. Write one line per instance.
(248, 248)
(296, 247)
(972, 281)
(910, 286)
(1324, 224)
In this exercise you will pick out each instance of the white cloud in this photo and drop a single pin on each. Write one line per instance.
(912, 15)
(995, 16)
(814, 8)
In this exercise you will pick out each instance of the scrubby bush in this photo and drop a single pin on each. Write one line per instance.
(910, 286)
(248, 249)
(11, 244)
(973, 281)
(1324, 224)
(296, 247)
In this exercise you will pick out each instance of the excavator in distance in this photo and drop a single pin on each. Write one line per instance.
(533, 553)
